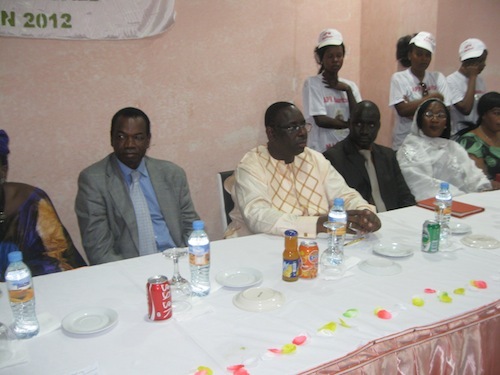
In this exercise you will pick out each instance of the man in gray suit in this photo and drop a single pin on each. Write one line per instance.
(107, 210)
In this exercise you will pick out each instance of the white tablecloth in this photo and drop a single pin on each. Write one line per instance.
(225, 335)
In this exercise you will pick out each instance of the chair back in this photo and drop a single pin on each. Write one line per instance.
(226, 200)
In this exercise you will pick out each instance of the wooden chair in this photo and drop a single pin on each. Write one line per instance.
(226, 200)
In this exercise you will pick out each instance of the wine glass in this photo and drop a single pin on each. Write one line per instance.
(332, 259)
(358, 234)
(180, 288)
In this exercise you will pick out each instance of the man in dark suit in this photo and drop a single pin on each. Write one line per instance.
(110, 219)
(386, 188)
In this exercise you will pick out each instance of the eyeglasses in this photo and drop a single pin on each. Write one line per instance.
(439, 116)
(425, 92)
(295, 128)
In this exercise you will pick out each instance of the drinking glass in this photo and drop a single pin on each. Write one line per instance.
(5, 349)
(180, 288)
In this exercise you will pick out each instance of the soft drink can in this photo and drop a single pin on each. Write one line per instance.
(309, 252)
(430, 236)
(159, 298)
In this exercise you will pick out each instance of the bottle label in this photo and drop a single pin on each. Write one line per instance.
(339, 230)
(20, 290)
(446, 210)
(291, 268)
(199, 255)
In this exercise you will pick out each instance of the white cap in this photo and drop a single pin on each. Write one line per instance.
(471, 48)
(424, 40)
(330, 37)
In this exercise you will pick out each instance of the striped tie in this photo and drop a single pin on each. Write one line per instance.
(147, 243)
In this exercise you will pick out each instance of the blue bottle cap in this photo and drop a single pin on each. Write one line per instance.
(198, 224)
(291, 233)
(338, 202)
(15, 256)
(444, 185)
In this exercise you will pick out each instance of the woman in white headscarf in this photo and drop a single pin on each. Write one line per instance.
(428, 157)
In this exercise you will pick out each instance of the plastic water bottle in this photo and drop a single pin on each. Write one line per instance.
(332, 258)
(443, 212)
(22, 296)
(199, 259)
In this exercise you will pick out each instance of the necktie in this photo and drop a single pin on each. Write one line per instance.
(372, 174)
(147, 243)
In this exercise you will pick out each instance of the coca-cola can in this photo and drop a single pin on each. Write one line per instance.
(159, 298)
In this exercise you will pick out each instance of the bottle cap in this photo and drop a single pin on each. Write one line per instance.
(198, 224)
(15, 256)
(338, 202)
(445, 185)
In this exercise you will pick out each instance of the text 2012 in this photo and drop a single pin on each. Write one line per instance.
(37, 20)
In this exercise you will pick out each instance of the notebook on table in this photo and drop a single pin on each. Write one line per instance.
(458, 209)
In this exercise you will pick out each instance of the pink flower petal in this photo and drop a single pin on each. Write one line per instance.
(299, 340)
(429, 291)
(384, 314)
(480, 284)
(277, 351)
(241, 371)
(235, 367)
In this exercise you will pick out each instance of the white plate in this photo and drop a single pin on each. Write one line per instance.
(393, 250)
(459, 228)
(481, 241)
(91, 320)
(259, 299)
(239, 277)
(380, 267)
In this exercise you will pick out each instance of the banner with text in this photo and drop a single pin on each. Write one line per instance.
(85, 19)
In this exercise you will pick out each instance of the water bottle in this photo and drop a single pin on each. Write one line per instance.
(22, 296)
(332, 258)
(443, 212)
(199, 259)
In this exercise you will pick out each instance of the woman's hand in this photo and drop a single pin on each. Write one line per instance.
(335, 84)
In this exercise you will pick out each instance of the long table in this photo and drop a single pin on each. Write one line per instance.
(338, 318)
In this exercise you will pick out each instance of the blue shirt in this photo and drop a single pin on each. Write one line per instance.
(162, 234)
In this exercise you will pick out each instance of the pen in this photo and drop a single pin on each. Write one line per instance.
(352, 242)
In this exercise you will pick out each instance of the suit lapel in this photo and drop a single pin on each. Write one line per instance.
(164, 195)
(118, 191)
(358, 161)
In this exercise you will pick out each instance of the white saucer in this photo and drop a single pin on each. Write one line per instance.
(380, 267)
(481, 241)
(91, 320)
(259, 299)
(459, 228)
(239, 277)
(393, 250)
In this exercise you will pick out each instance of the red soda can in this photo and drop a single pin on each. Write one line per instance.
(159, 298)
